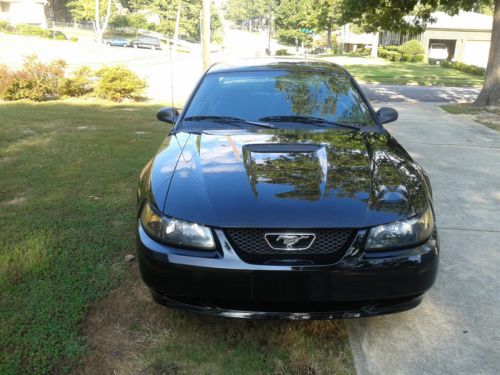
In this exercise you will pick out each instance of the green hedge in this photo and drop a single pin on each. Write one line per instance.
(411, 51)
(471, 69)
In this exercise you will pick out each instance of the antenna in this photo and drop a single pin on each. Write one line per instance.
(171, 71)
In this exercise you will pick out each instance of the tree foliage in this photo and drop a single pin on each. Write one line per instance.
(375, 15)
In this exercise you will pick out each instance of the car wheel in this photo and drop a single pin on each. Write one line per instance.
(124, 45)
(108, 43)
(151, 46)
(134, 45)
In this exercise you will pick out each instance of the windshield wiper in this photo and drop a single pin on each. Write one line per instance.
(307, 120)
(228, 120)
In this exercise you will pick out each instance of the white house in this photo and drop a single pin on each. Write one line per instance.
(24, 11)
(467, 36)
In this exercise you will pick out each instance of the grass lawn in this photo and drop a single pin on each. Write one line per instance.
(68, 175)
(413, 74)
(489, 117)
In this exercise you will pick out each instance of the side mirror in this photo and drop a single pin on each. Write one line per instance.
(167, 114)
(386, 115)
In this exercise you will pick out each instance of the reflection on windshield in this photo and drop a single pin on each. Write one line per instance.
(255, 95)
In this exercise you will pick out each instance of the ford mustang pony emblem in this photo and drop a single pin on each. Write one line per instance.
(290, 241)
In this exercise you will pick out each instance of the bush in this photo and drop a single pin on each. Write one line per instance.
(382, 52)
(73, 39)
(412, 47)
(282, 52)
(471, 69)
(79, 84)
(419, 57)
(60, 37)
(36, 81)
(360, 52)
(407, 57)
(392, 48)
(5, 26)
(118, 83)
(32, 30)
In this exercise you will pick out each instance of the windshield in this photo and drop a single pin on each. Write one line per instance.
(278, 96)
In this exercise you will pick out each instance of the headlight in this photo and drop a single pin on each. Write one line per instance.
(176, 232)
(402, 233)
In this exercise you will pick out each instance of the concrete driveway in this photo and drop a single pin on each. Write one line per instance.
(456, 330)
(408, 93)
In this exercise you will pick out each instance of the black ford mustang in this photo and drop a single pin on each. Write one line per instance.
(278, 194)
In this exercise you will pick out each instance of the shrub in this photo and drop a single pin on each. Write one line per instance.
(382, 52)
(471, 69)
(73, 39)
(60, 37)
(32, 30)
(419, 57)
(360, 52)
(412, 47)
(79, 84)
(36, 81)
(407, 57)
(6, 78)
(5, 26)
(282, 52)
(118, 83)
(392, 48)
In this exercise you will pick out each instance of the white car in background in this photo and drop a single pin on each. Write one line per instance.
(438, 52)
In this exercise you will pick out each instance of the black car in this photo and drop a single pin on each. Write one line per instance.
(146, 42)
(279, 194)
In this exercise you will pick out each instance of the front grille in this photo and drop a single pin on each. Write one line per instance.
(329, 245)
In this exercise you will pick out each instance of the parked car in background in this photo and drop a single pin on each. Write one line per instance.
(118, 42)
(146, 42)
(278, 193)
(438, 52)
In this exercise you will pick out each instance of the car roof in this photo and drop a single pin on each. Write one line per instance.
(273, 63)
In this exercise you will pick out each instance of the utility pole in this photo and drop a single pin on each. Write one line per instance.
(270, 20)
(205, 33)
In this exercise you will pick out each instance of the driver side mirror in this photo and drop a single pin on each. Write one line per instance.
(386, 115)
(168, 115)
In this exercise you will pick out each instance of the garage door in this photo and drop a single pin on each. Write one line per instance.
(476, 52)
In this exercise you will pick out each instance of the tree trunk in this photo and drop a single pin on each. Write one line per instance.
(97, 23)
(329, 37)
(490, 94)
(205, 33)
(177, 23)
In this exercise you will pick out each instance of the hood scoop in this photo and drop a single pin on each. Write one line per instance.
(293, 171)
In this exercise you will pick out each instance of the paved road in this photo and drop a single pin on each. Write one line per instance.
(402, 93)
(456, 330)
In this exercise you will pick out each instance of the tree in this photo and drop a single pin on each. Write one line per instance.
(292, 16)
(391, 15)
(328, 14)
(96, 11)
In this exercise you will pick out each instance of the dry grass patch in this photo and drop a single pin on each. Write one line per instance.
(128, 333)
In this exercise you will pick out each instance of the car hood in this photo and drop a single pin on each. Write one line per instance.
(293, 179)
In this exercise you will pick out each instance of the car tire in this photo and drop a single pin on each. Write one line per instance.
(108, 44)
(134, 45)
(124, 45)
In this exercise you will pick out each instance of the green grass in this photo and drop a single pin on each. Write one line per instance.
(402, 73)
(67, 180)
(68, 173)
(489, 117)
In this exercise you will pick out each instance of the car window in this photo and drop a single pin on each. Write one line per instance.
(253, 96)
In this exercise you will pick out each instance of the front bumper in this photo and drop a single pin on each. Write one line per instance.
(220, 283)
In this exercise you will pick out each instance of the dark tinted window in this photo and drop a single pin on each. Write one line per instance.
(255, 95)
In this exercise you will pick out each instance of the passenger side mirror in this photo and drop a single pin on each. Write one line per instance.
(168, 114)
(386, 115)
